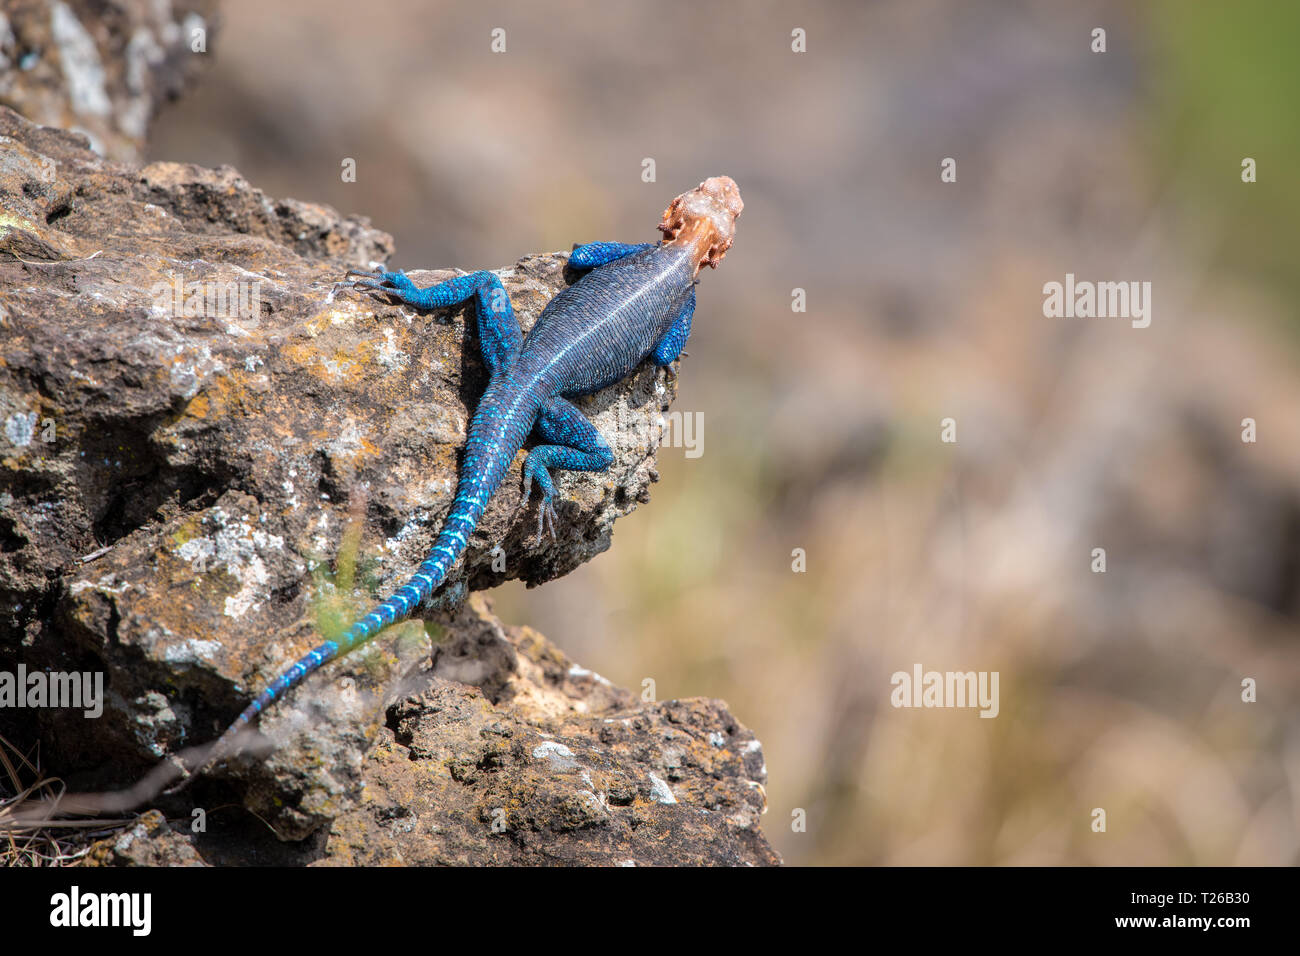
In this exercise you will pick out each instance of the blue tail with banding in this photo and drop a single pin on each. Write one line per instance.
(465, 512)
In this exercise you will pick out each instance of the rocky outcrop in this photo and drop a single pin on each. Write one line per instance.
(506, 752)
(210, 457)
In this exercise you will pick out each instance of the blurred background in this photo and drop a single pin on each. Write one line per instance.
(821, 429)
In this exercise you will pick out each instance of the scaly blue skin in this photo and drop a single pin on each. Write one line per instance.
(636, 302)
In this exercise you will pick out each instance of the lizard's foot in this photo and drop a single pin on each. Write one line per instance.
(378, 283)
(546, 519)
(546, 516)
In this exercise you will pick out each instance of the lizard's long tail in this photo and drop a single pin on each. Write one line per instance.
(431, 573)
(484, 467)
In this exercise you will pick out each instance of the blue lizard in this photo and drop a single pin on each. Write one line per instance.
(636, 302)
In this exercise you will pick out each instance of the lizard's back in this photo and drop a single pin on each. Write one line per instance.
(596, 331)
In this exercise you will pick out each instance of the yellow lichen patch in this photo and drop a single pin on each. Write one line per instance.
(316, 325)
(340, 316)
(197, 407)
(368, 449)
(9, 221)
(326, 318)
(187, 531)
(222, 395)
(538, 649)
(230, 392)
(339, 367)
(444, 457)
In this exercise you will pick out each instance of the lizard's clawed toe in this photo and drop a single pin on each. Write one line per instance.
(379, 274)
(546, 519)
(377, 283)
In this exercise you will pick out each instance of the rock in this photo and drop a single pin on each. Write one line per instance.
(548, 763)
(100, 69)
(506, 752)
(210, 456)
(148, 842)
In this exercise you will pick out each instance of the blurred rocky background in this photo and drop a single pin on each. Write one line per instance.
(104, 69)
(821, 429)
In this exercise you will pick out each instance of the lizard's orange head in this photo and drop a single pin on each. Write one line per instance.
(704, 219)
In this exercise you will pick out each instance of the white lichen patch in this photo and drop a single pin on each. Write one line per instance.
(238, 547)
(337, 370)
(388, 354)
(660, 791)
(576, 671)
(348, 443)
(106, 583)
(417, 521)
(191, 651)
(321, 527)
(560, 756)
(187, 377)
(20, 427)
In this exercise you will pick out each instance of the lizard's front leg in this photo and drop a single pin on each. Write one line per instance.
(594, 254)
(671, 345)
(498, 330)
(574, 445)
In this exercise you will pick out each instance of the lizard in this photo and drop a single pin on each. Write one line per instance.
(635, 301)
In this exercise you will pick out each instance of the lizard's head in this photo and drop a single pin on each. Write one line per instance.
(704, 219)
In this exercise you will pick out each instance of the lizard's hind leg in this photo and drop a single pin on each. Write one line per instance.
(498, 330)
(600, 253)
(575, 445)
